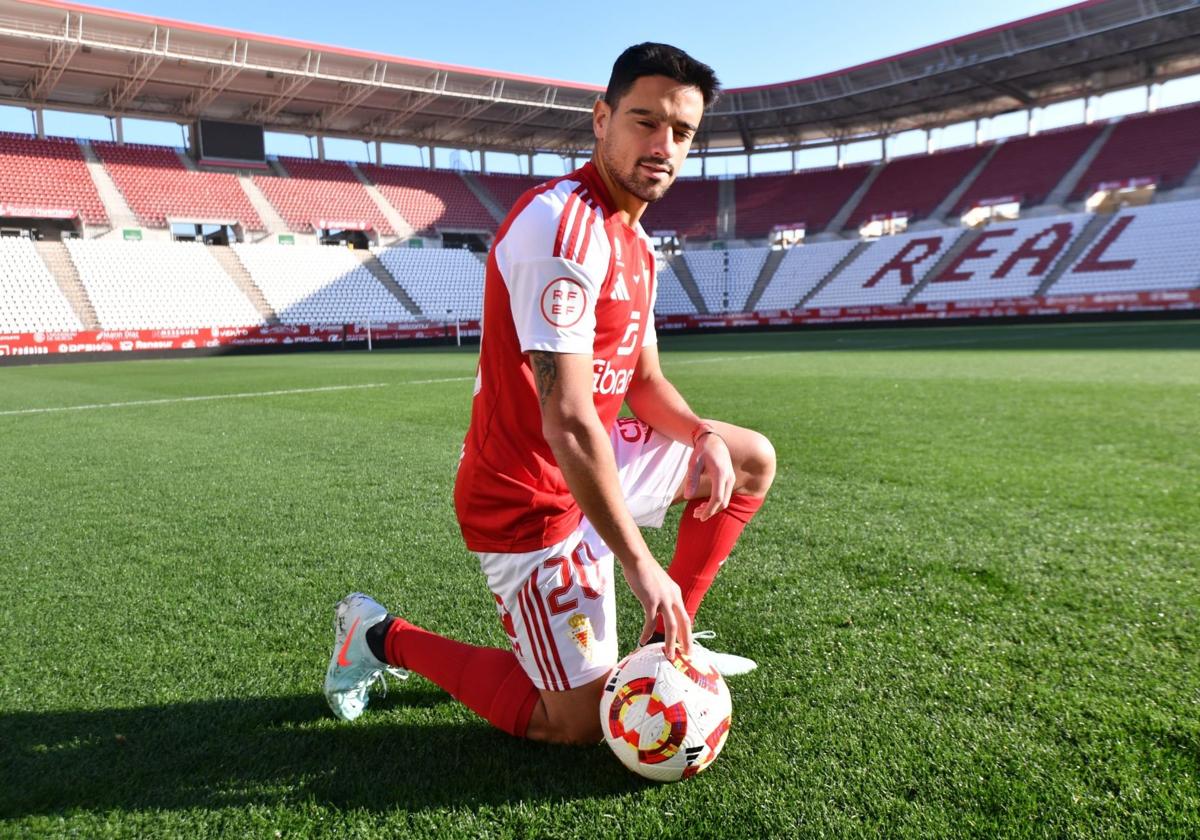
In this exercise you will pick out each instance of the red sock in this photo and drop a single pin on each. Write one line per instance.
(488, 681)
(702, 547)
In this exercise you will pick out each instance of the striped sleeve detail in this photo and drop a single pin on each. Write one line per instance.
(575, 226)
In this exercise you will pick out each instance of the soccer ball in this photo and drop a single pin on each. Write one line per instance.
(666, 719)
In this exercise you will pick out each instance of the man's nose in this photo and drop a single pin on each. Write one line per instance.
(662, 142)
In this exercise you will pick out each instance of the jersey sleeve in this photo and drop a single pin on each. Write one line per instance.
(552, 286)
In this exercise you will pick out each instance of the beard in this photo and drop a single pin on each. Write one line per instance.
(635, 183)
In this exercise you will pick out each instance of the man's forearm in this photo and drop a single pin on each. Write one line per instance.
(656, 402)
(584, 453)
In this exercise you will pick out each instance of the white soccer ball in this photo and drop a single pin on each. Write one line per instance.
(666, 719)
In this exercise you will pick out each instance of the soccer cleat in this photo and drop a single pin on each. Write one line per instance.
(353, 669)
(727, 664)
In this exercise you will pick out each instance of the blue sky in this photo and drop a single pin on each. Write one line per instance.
(747, 44)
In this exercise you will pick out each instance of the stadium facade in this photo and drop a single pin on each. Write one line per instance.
(1091, 218)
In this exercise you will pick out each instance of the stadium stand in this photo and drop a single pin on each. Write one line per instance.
(724, 278)
(1141, 249)
(30, 299)
(801, 270)
(1010, 259)
(764, 202)
(689, 208)
(321, 190)
(916, 185)
(48, 174)
(430, 200)
(1162, 146)
(1028, 168)
(158, 285)
(446, 284)
(888, 270)
(319, 285)
(671, 299)
(158, 187)
(506, 189)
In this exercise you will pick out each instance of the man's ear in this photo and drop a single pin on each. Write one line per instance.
(601, 113)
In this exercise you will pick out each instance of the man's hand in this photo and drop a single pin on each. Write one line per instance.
(660, 596)
(710, 457)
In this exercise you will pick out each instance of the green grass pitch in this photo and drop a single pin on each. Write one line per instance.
(974, 593)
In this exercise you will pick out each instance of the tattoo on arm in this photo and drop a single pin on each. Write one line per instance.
(545, 373)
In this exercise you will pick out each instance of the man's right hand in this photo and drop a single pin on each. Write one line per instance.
(659, 596)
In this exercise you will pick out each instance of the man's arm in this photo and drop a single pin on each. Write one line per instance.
(583, 451)
(656, 402)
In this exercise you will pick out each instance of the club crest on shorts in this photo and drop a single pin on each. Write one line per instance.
(581, 632)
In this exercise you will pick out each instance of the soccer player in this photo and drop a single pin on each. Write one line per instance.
(552, 486)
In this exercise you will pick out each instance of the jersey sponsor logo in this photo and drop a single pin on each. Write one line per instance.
(563, 302)
(620, 290)
(606, 380)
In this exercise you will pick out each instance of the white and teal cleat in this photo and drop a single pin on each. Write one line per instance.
(353, 669)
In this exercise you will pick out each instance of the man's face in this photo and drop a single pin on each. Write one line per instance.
(645, 138)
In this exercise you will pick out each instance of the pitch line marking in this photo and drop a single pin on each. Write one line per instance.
(237, 396)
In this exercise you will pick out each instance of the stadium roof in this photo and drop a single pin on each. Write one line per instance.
(79, 58)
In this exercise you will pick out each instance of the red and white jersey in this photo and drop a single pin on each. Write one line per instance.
(565, 275)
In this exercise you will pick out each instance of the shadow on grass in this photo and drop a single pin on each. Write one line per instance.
(275, 750)
(1125, 335)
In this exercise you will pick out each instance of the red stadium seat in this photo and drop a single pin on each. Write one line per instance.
(1163, 146)
(1030, 167)
(807, 198)
(157, 186)
(48, 174)
(318, 190)
(689, 208)
(430, 199)
(916, 185)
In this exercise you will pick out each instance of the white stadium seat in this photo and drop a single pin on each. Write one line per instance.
(671, 299)
(1011, 259)
(158, 285)
(30, 299)
(725, 278)
(446, 283)
(802, 269)
(887, 271)
(319, 285)
(1141, 249)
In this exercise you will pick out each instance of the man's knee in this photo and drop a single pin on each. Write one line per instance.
(758, 465)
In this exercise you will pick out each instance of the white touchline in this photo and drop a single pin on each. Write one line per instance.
(242, 396)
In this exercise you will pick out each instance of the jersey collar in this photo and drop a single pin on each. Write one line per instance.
(590, 176)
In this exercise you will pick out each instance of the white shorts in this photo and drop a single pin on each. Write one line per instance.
(557, 604)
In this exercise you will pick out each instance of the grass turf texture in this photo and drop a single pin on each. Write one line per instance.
(974, 594)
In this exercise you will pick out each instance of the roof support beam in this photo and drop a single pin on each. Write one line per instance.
(287, 90)
(61, 53)
(352, 96)
(140, 71)
(216, 80)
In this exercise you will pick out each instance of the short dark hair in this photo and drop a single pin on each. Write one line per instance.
(650, 59)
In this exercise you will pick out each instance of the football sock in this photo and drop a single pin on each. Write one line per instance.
(377, 637)
(488, 681)
(702, 547)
